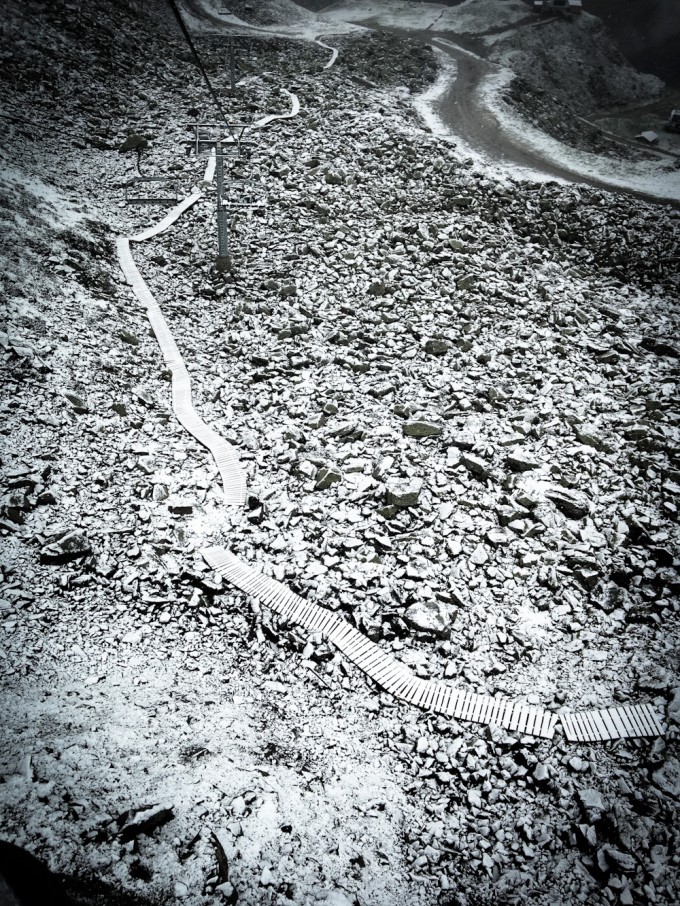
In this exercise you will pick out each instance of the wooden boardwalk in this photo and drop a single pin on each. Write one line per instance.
(596, 725)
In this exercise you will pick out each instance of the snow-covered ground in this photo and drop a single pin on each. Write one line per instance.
(289, 20)
(148, 710)
(658, 176)
(468, 17)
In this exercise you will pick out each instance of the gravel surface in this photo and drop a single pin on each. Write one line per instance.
(455, 397)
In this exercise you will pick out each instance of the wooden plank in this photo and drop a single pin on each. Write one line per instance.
(304, 612)
(362, 658)
(539, 715)
(235, 572)
(576, 732)
(632, 728)
(491, 708)
(532, 717)
(493, 716)
(452, 702)
(581, 726)
(484, 708)
(535, 721)
(247, 580)
(422, 692)
(435, 695)
(260, 586)
(402, 686)
(521, 716)
(445, 701)
(643, 713)
(547, 723)
(296, 609)
(653, 718)
(428, 696)
(475, 707)
(393, 682)
(365, 647)
(382, 662)
(392, 678)
(374, 657)
(548, 726)
(461, 704)
(602, 728)
(630, 713)
(621, 729)
(217, 445)
(469, 704)
(342, 635)
(419, 692)
(409, 691)
(386, 670)
(511, 716)
(634, 711)
(329, 622)
(439, 705)
(277, 598)
(505, 715)
(504, 712)
(287, 605)
(567, 720)
(374, 660)
(307, 617)
(591, 727)
(609, 723)
(353, 643)
(437, 690)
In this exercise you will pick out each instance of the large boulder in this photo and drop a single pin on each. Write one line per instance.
(429, 616)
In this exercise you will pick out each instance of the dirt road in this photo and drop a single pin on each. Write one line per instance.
(462, 111)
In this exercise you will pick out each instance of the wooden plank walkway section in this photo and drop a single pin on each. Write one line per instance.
(581, 726)
(225, 456)
(209, 174)
(333, 50)
(270, 118)
(169, 218)
(626, 721)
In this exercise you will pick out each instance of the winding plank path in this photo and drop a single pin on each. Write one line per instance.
(440, 698)
(382, 667)
(225, 456)
(334, 52)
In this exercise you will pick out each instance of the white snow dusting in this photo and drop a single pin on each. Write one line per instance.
(470, 17)
(653, 177)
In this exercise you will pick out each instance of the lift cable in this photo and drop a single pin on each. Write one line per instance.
(185, 32)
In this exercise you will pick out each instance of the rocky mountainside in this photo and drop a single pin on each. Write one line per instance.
(647, 33)
(567, 69)
(455, 397)
(577, 63)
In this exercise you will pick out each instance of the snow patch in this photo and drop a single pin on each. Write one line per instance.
(469, 17)
(61, 213)
(653, 177)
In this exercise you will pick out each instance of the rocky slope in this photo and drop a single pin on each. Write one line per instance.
(566, 69)
(395, 318)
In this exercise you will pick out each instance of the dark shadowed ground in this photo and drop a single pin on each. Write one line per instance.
(647, 31)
